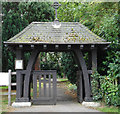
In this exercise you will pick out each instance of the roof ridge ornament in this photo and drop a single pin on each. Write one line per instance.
(56, 5)
(56, 23)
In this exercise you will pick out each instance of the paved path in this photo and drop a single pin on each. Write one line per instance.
(65, 103)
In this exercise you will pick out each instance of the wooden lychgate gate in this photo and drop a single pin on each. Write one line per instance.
(44, 87)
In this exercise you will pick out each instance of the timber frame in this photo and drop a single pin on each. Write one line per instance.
(84, 79)
(67, 37)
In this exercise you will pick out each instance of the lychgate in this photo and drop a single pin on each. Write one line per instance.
(55, 37)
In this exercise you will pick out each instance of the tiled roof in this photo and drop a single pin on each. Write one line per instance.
(67, 33)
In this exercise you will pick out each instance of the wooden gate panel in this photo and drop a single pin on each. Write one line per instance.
(46, 93)
(40, 86)
(34, 86)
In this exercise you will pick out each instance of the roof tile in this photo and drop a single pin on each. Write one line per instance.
(44, 32)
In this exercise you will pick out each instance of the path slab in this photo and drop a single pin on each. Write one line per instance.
(21, 104)
(63, 106)
(65, 103)
(91, 104)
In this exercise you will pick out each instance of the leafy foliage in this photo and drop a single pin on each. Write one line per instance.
(16, 16)
(108, 89)
(102, 18)
(68, 66)
(96, 91)
(72, 87)
(51, 61)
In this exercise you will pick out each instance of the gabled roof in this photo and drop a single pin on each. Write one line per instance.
(67, 33)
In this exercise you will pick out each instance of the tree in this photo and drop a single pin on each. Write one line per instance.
(12, 24)
(16, 16)
(102, 18)
(69, 67)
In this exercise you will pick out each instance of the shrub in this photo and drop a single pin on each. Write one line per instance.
(96, 91)
(106, 87)
(72, 87)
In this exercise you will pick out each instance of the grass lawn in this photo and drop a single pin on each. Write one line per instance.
(62, 79)
(4, 106)
(105, 108)
(108, 109)
(4, 87)
(4, 99)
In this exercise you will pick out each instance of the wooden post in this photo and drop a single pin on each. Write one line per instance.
(34, 86)
(89, 60)
(79, 87)
(49, 85)
(54, 87)
(29, 69)
(81, 60)
(19, 77)
(76, 60)
(9, 88)
(94, 60)
(44, 85)
(90, 66)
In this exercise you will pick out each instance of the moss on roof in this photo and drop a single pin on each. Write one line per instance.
(44, 32)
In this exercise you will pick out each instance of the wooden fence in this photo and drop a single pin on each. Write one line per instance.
(5, 80)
